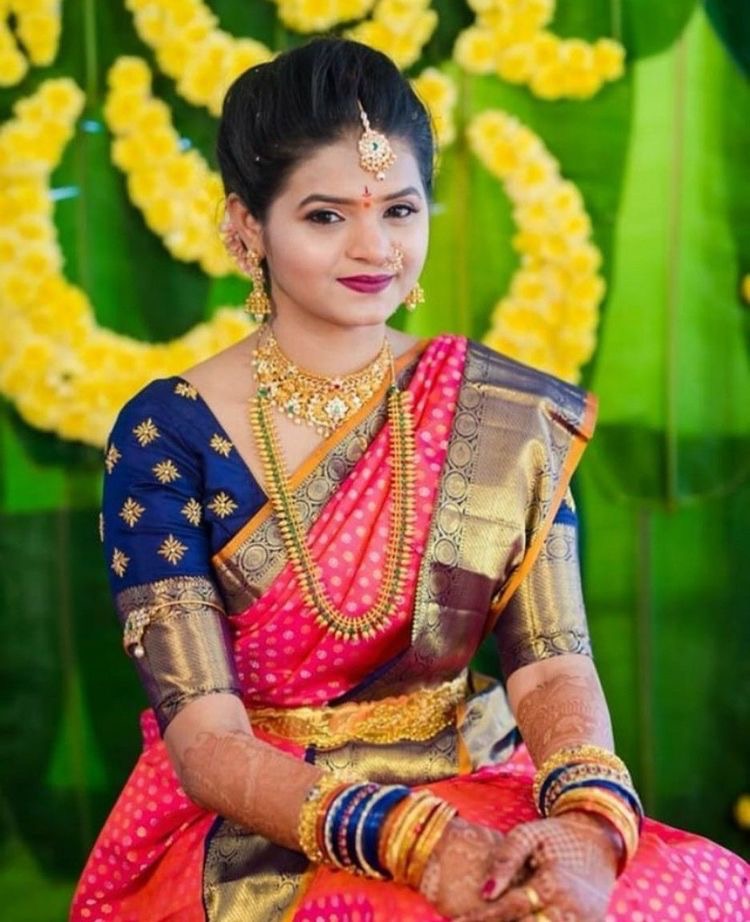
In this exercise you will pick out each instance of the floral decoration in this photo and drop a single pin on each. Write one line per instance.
(509, 39)
(65, 373)
(321, 15)
(190, 48)
(398, 28)
(549, 316)
(179, 196)
(37, 32)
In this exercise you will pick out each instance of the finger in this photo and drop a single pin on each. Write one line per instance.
(508, 860)
(533, 896)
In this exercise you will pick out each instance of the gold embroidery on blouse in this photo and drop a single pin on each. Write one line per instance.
(172, 550)
(222, 505)
(146, 432)
(220, 445)
(101, 526)
(131, 511)
(186, 390)
(111, 458)
(120, 562)
(166, 471)
(192, 511)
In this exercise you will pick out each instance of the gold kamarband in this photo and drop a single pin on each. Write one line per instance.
(417, 717)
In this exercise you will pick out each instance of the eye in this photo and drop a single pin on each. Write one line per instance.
(405, 210)
(323, 216)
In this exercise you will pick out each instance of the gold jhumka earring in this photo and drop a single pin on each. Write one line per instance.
(257, 303)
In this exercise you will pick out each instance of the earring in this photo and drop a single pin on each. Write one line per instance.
(257, 303)
(415, 297)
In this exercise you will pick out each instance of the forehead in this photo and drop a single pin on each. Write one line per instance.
(334, 169)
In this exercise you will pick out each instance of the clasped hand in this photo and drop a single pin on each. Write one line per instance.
(560, 869)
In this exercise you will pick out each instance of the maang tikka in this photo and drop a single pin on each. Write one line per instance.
(257, 303)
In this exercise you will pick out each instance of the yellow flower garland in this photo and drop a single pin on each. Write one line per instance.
(509, 39)
(398, 28)
(38, 28)
(549, 317)
(64, 373)
(180, 197)
(190, 48)
(321, 15)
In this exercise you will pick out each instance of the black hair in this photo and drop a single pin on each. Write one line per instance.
(276, 113)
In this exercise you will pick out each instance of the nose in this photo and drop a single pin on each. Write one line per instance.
(369, 241)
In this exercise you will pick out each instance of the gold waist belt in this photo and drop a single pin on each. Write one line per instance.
(416, 716)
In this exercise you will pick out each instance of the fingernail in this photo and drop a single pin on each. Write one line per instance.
(489, 888)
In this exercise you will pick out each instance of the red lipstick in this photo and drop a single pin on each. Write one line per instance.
(369, 284)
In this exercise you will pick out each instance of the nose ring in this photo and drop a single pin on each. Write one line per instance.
(395, 261)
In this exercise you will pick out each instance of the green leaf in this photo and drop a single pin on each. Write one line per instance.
(672, 367)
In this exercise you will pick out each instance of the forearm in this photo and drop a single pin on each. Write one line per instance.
(559, 703)
(225, 769)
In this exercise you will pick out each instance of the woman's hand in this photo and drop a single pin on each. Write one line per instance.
(560, 869)
(460, 866)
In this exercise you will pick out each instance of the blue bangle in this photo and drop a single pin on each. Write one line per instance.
(371, 824)
(332, 819)
(351, 829)
(630, 796)
(552, 776)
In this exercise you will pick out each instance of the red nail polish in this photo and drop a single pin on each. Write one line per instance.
(489, 888)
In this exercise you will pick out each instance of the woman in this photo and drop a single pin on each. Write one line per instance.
(309, 534)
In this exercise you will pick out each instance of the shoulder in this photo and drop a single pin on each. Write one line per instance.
(542, 394)
(163, 402)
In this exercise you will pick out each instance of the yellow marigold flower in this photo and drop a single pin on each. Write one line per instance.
(40, 34)
(397, 15)
(373, 33)
(159, 214)
(151, 115)
(515, 63)
(609, 58)
(475, 50)
(587, 290)
(13, 65)
(545, 48)
(745, 288)
(129, 75)
(548, 82)
(584, 258)
(742, 811)
(308, 15)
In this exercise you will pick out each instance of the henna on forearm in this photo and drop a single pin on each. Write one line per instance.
(247, 781)
(567, 709)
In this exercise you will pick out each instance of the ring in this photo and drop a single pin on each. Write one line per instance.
(533, 897)
(541, 917)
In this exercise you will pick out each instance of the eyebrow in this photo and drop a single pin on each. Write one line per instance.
(334, 200)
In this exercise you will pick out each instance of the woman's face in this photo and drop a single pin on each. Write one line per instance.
(333, 221)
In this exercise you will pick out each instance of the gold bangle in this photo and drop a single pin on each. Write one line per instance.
(308, 815)
(607, 805)
(428, 841)
(400, 840)
(575, 755)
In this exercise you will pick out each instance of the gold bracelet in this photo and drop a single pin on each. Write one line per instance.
(607, 805)
(308, 815)
(574, 755)
(418, 806)
(427, 842)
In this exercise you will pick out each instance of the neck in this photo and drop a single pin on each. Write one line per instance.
(328, 349)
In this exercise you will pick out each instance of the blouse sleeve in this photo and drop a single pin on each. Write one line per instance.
(158, 558)
(546, 615)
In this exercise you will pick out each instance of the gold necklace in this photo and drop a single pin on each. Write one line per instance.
(316, 400)
(292, 528)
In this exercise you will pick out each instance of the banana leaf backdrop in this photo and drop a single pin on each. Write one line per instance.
(661, 158)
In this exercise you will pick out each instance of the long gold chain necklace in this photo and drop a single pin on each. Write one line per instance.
(316, 400)
(327, 615)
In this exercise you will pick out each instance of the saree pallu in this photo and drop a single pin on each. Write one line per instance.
(496, 444)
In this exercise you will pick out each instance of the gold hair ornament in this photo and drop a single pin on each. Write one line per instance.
(375, 152)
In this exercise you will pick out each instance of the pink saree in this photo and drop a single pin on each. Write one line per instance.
(496, 445)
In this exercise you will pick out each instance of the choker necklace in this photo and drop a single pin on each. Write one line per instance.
(317, 400)
(291, 526)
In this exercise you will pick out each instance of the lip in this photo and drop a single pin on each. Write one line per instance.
(366, 283)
